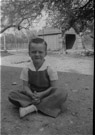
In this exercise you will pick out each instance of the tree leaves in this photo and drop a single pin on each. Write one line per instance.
(71, 13)
(18, 11)
(62, 14)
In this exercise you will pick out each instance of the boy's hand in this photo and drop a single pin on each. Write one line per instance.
(37, 95)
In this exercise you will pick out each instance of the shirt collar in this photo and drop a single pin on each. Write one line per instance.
(43, 67)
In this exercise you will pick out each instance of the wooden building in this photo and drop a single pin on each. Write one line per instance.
(52, 37)
(73, 40)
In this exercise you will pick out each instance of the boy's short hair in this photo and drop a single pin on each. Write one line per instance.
(38, 40)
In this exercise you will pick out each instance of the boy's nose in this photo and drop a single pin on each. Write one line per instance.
(37, 53)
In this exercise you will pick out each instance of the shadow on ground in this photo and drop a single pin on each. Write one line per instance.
(76, 118)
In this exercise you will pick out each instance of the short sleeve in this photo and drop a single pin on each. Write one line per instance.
(52, 74)
(24, 74)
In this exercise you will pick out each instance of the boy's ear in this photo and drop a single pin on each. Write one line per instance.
(29, 53)
(45, 53)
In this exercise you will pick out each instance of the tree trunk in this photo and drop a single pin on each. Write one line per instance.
(63, 51)
(5, 48)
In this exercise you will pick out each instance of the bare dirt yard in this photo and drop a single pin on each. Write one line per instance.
(77, 115)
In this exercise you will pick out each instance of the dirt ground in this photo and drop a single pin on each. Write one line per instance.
(77, 115)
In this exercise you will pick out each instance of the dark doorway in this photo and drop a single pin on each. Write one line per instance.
(70, 39)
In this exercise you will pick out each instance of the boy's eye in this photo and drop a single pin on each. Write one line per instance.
(40, 52)
(33, 52)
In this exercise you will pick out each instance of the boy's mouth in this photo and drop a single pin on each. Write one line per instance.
(37, 58)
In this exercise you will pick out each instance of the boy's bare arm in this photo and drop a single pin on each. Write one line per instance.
(54, 85)
(27, 90)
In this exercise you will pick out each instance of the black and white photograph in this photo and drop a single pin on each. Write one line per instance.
(46, 67)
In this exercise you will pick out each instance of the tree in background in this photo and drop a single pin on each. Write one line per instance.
(65, 14)
(62, 14)
(19, 13)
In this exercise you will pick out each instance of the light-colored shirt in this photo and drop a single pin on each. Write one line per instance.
(51, 71)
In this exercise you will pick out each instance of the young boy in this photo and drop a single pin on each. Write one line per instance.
(40, 84)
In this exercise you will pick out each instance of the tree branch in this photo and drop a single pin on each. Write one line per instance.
(10, 26)
(85, 4)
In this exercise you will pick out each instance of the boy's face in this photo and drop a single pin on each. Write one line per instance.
(37, 52)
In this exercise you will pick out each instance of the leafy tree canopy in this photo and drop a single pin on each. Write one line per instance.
(19, 13)
(62, 14)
